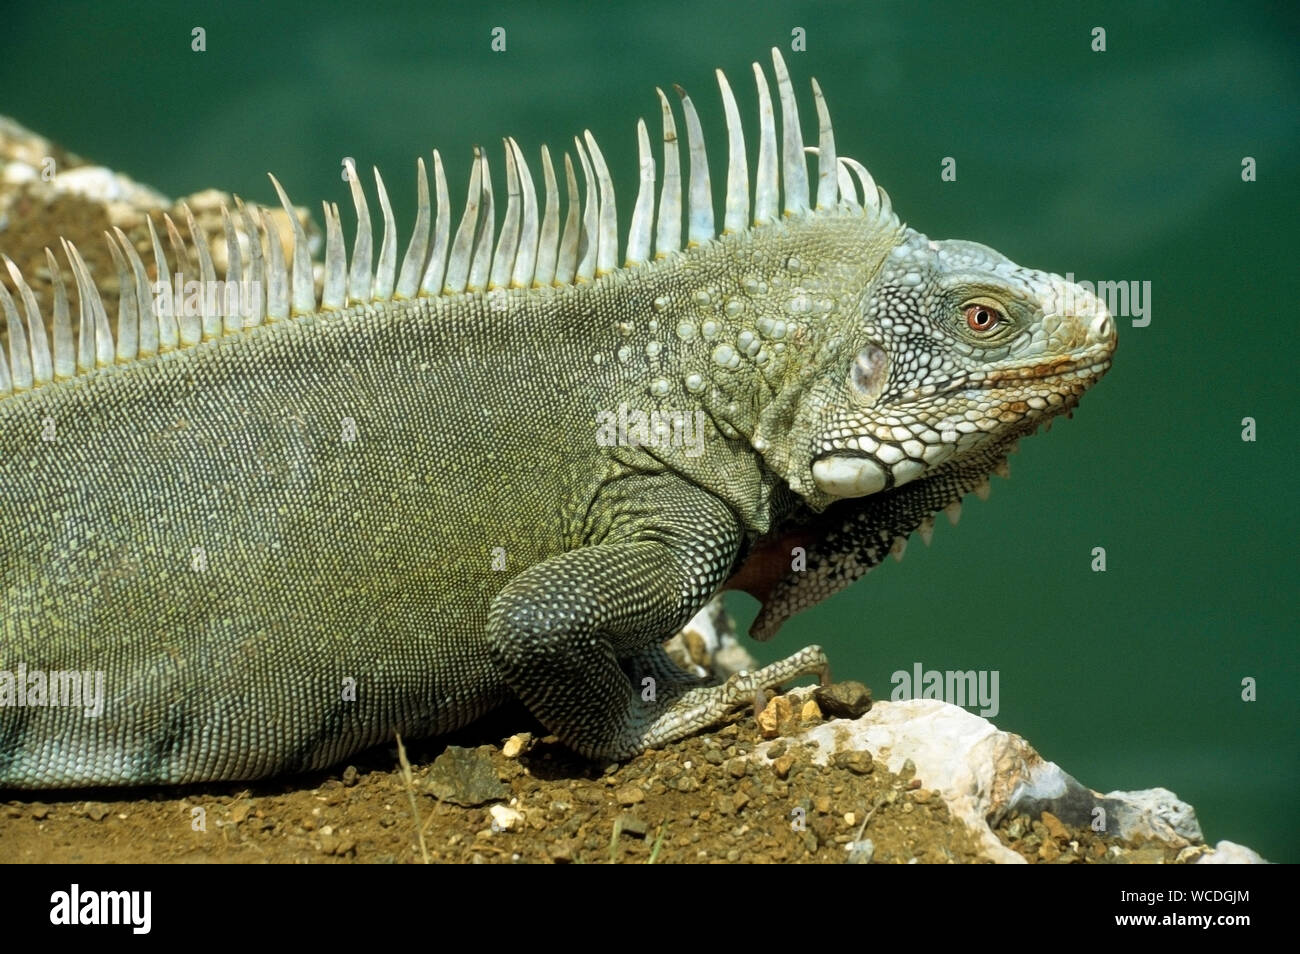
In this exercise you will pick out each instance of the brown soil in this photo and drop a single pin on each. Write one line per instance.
(695, 801)
(36, 224)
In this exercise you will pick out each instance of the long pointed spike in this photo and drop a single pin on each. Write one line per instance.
(638, 235)
(148, 323)
(526, 261)
(360, 278)
(65, 352)
(848, 191)
(100, 343)
(408, 281)
(42, 367)
(607, 250)
(229, 310)
(304, 281)
(548, 244)
(736, 217)
(189, 330)
(886, 207)
(277, 274)
(458, 266)
(431, 284)
(700, 216)
(503, 262)
(870, 192)
(212, 323)
(179, 250)
(567, 265)
(20, 358)
(794, 169)
(386, 265)
(128, 317)
(589, 245)
(668, 236)
(766, 186)
(336, 267)
(253, 300)
(953, 512)
(232, 291)
(481, 265)
(827, 167)
(160, 265)
(85, 317)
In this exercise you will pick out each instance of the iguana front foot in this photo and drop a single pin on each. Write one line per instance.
(700, 708)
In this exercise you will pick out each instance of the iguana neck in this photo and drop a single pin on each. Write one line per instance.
(741, 329)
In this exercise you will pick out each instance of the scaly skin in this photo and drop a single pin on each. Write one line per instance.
(477, 541)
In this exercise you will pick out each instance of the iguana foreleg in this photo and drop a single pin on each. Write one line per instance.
(567, 632)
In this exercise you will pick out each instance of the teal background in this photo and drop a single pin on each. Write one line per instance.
(1122, 165)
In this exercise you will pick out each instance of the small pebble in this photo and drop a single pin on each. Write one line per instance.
(630, 795)
(514, 745)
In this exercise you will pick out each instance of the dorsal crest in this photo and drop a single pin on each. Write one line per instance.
(536, 247)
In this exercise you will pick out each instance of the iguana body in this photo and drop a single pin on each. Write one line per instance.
(395, 509)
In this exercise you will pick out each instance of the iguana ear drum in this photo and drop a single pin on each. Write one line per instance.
(869, 375)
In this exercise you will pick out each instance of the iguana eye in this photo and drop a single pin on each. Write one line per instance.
(981, 318)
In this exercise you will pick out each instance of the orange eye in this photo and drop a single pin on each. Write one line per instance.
(982, 318)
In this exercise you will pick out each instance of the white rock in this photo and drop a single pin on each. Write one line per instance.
(1230, 853)
(104, 185)
(17, 173)
(505, 818)
(983, 774)
(708, 644)
(1155, 813)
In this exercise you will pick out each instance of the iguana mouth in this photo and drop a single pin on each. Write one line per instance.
(1057, 371)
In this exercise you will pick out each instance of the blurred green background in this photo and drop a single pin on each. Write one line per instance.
(1122, 165)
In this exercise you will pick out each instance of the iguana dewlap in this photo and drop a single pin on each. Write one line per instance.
(509, 467)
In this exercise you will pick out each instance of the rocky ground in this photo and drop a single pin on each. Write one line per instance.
(727, 796)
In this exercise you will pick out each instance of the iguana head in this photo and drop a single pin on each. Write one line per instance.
(958, 350)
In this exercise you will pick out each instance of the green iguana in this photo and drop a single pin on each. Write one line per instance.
(395, 498)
